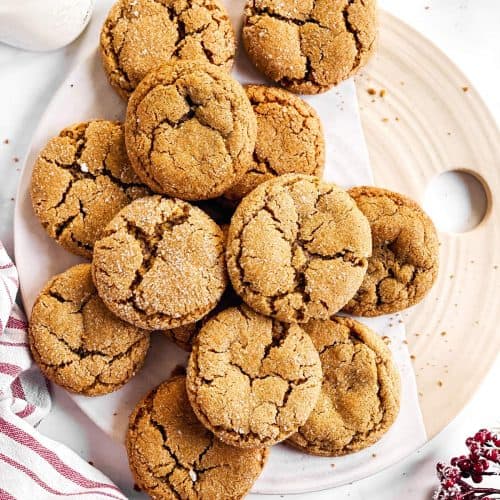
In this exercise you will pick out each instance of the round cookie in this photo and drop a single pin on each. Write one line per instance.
(289, 139)
(297, 248)
(190, 130)
(252, 380)
(360, 395)
(160, 263)
(309, 46)
(77, 342)
(80, 180)
(172, 455)
(140, 35)
(405, 259)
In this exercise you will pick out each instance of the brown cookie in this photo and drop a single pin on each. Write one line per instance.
(252, 380)
(173, 456)
(289, 139)
(140, 35)
(80, 181)
(405, 259)
(360, 395)
(297, 248)
(77, 342)
(309, 46)
(160, 263)
(190, 130)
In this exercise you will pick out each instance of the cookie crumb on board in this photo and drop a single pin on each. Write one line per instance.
(465, 89)
(372, 91)
(6, 141)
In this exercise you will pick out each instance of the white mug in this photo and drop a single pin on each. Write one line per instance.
(43, 24)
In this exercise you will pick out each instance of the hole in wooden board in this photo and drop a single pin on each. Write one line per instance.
(457, 201)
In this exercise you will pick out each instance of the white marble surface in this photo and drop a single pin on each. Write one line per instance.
(466, 30)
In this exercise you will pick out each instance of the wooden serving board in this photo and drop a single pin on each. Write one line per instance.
(430, 121)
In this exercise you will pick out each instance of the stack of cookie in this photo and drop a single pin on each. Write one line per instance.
(205, 218)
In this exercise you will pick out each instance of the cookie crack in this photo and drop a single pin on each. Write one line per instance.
(355, 33)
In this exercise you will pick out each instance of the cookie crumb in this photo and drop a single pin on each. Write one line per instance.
(405, 342)
(385, 119)
(426, 7)
(440, 383)
(372, 91)
(114, 414)
(382, 93)
(397, 118)
(332, 466)
(15, 159)
(374, 455)
(452, 276)
(91, 463)
(71, 85)
(386, 339)
(6, 141)
(443, 334)
(465, 89)
(413, 357)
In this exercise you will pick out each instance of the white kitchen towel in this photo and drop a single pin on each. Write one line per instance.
(33, 466)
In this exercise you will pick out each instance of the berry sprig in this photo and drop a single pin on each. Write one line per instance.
(483, 460)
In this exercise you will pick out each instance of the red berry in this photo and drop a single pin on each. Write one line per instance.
(477, 468)
(454, 461)
(484, 463)
(479, 437)
(449, 483)
(492, 455)
(465, 475)
(477, 478)
(469, 441)
(464, 464)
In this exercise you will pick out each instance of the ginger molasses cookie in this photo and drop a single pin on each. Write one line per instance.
(160, 263)
(80, 181)
(307, 47)
(297, 248)
(289, 139)
(140, 35)
(252, 380)
(172, 455)
(77, 342)
(405, 259)
(360, 394)
(190, 130)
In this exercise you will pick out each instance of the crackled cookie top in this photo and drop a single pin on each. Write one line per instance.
(80, 180)
(308, 46)
(360, 394)
(297, 248)
(190, 130)
(405, 259)
(173, 456)
(140, 35)
(160, 263)
(289, 139)
(77, 342)
(252, 380)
